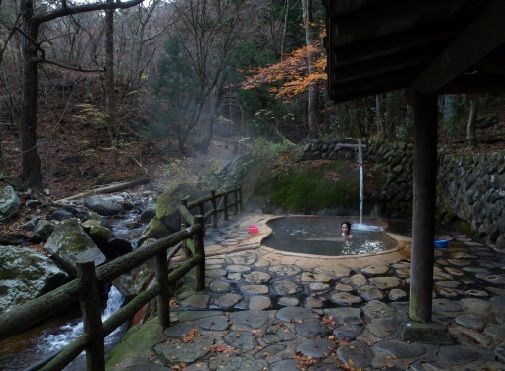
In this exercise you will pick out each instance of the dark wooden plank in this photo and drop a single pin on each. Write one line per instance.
(485, 34)
(476, 84)
(200, 251)
(392, 16)
(91, 317)
(423, 218)
(164, 292)
(214, 208)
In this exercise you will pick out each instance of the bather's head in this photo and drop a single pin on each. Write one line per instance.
(346, 229)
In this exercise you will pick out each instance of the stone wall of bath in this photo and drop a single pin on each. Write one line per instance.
(471, 188)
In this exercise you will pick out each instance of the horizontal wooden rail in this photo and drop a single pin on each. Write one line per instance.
(85, 288)
(73, 349)
(39, 309)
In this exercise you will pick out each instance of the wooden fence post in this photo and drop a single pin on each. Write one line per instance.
(241, 201)
(164, 295)
(214, 207)
(225, 202)
(184, 225)
(91, 316)
(200, 250)
(235, 207)
(201, 210)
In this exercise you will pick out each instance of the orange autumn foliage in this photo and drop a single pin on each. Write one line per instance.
(291, 76)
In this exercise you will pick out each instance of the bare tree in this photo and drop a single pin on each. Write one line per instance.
(33, 55)
(312, 104)
(472, 119)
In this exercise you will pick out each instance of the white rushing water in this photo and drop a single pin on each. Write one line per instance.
(68, 332)
(361, 185)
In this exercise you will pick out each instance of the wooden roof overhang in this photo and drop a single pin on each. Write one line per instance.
(433, 46)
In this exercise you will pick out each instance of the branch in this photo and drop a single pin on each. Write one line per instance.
(62, 12)
(71, 68)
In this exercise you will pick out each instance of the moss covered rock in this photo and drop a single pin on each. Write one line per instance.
(69, 244)
(26, 274)
(135, 348)
(167, 221)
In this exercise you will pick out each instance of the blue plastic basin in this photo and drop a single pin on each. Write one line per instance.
(441, 244)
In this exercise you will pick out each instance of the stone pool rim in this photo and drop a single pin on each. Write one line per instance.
(402, 242)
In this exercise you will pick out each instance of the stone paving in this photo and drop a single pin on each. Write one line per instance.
(261, 313)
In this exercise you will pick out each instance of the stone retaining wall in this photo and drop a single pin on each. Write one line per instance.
(470, 188)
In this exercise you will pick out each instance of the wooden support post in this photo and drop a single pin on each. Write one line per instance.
(91, 316)
(214, 207)
(184, 225)
(235, 206)
(200, 250)
(240, 196)
(225, 202)
(423, 218)
(187, 251)
(201, 210)
(164, 295)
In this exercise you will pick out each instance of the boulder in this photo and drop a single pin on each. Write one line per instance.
(9, 202)
(147, 215)
(69, 244)
(42, 231)
(26, 274)
(105, 205)
(60, 214)
(166, 220)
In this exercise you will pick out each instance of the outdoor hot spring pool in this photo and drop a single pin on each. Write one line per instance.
(322, 236)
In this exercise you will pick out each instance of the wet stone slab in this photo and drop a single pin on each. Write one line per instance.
(287, 287)
(175, 352)
(355, 354)
(315, 348)
(242, 340)
(344, 316)
(399, 349)
(290, 314)
(257, 277)
(250, 318)
(236, 362)
(259, 302)
(254, 289)
(349, 332)
(284, 270)
(375, 270)
(311, 327)
(289, 302)
(227, 301)
(345, 299)
(470, 321)
(315, 277)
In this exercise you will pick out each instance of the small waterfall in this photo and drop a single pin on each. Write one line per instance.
(361, 186)
(68, 332)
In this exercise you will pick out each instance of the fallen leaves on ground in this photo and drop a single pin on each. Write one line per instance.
(329, 322)
(189, 337)
(221, 348)
(304, 362)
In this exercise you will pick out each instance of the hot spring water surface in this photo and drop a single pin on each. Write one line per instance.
(322, 236)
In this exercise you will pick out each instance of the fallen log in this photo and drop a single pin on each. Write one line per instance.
(107, 189)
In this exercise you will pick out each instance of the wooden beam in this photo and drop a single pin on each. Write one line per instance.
(353, 71)
(392, 16)
(483, 35)
(341, 98)
(365, 84)
(423, 218)
(476, 84)
(392, 44)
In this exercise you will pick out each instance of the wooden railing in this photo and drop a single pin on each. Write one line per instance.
(85, 288)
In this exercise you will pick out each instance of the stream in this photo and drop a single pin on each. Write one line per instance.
(34, 345)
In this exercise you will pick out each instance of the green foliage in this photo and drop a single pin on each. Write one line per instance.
(175, 89)
(312, 186)
(264, 150)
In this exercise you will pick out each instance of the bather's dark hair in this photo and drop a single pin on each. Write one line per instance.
(348, 225)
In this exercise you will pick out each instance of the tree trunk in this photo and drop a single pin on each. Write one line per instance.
(31, 176)
(312, 94)
(284, 29)
(472, 119)
(109, 76)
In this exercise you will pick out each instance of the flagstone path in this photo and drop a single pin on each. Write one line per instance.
(267, 311)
